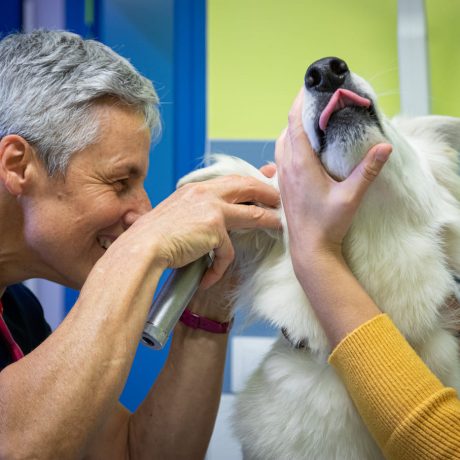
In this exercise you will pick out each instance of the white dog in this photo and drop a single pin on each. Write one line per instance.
(403, 246)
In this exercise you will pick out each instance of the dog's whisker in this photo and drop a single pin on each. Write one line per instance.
(382, 73)
(390, 92)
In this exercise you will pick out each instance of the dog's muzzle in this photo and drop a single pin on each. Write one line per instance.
(338, 100)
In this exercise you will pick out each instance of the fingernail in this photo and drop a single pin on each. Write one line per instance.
(383, 153)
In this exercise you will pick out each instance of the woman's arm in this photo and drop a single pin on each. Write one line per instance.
(176, 419)
(61, 400)
(406, 408)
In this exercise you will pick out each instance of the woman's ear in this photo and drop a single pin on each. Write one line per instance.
(16, 157)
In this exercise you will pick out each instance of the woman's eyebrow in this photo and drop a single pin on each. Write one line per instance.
(131, 169)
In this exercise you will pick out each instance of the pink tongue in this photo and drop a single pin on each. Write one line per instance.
(340, 99)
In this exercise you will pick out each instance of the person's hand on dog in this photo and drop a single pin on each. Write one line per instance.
(216, 301)
(196, 219)
(319, 210)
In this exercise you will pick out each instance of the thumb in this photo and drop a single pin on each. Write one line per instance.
(268, 170)
(369, 168)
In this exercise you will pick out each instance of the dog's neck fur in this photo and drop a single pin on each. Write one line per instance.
(374, 234)
(396, 246)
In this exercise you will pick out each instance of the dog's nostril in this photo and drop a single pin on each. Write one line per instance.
(338, 67)
(312, 78)
(326, 75)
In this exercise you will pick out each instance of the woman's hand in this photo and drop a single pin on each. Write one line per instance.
(196, 219)
(318, 209)
(217, 302)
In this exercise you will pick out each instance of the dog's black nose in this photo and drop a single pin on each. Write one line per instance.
(326, 75)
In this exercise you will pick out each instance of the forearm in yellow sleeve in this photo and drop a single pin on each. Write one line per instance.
(404, 405)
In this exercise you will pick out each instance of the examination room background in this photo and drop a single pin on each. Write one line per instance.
(226, 73)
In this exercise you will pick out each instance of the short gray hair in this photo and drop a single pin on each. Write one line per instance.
(50, 84)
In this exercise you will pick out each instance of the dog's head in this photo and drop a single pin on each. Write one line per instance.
(340, 115)
(342, 120)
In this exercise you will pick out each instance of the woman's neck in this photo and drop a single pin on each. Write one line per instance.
(15, 262)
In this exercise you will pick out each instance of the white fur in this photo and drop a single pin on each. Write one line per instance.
(404, 247)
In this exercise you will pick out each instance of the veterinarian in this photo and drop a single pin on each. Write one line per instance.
(76, 121)
(406, 408)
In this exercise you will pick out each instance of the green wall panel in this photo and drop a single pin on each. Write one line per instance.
(258, 52)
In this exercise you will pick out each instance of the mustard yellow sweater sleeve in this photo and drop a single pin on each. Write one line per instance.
(406, 408)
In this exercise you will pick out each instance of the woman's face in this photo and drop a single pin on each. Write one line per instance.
(69, 222)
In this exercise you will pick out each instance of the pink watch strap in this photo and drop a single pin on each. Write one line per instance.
(195, 321)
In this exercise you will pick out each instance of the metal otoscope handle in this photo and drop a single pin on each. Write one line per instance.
(171, 301)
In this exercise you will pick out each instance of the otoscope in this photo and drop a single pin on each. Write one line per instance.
(171, 301)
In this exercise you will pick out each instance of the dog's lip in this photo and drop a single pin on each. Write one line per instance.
(340, 99)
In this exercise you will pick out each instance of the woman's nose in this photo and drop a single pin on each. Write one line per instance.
(139, 205)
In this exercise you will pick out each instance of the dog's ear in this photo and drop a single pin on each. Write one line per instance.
(446, 127)
(434, 127)
(252, 245)
(216, 165)
(437, 138)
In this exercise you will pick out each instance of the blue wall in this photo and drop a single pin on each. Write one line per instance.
(142, 31)
(164, 40)
(11, 17)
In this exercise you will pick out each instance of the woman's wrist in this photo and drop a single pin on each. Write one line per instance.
(183, 334)
(339, 301)
(219, 311)
(156, 250)
(215, 303)
(315, 256)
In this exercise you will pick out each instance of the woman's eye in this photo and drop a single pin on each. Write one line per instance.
(121, 185)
